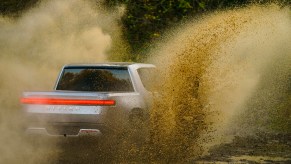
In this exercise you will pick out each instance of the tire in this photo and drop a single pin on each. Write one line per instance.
(138, 129)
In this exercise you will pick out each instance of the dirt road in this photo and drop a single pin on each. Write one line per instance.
(264, 148)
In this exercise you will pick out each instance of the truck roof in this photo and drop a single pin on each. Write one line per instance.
(117, 64)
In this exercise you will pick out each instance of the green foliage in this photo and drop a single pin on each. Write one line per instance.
(13, 7)
(146, 20)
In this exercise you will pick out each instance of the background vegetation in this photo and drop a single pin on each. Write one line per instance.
(145, 21)
(15, 7)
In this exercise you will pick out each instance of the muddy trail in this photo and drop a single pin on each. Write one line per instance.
(265, 148)
(223, 82)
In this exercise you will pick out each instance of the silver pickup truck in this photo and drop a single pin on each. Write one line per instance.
(90, 99)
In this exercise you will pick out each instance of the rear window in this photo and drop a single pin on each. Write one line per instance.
(98, 79)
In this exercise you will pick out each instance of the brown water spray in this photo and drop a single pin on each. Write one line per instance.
(210, 69)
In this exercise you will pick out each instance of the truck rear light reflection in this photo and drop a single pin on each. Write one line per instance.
(55, 101)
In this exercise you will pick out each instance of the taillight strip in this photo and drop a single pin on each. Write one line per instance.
(55, 101)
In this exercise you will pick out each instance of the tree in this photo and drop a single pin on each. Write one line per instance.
(146, 20)
(14, 7)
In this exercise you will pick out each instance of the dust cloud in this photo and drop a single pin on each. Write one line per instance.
(33, 48)
(211, 69)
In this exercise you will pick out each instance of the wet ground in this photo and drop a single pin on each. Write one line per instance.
(263, 148)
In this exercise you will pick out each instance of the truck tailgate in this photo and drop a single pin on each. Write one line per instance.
(66, 106)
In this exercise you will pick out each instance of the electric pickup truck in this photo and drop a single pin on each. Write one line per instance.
(90, 99)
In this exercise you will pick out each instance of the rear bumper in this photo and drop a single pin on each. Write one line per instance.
(74, 125)
(67, 129)
(64, 118)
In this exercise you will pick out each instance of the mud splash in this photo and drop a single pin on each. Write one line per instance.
(33, 48)
(212, 67)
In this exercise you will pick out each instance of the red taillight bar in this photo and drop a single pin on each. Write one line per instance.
(55, 101)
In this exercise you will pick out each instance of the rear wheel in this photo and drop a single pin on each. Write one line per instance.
(136, 119)
(138, 128)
